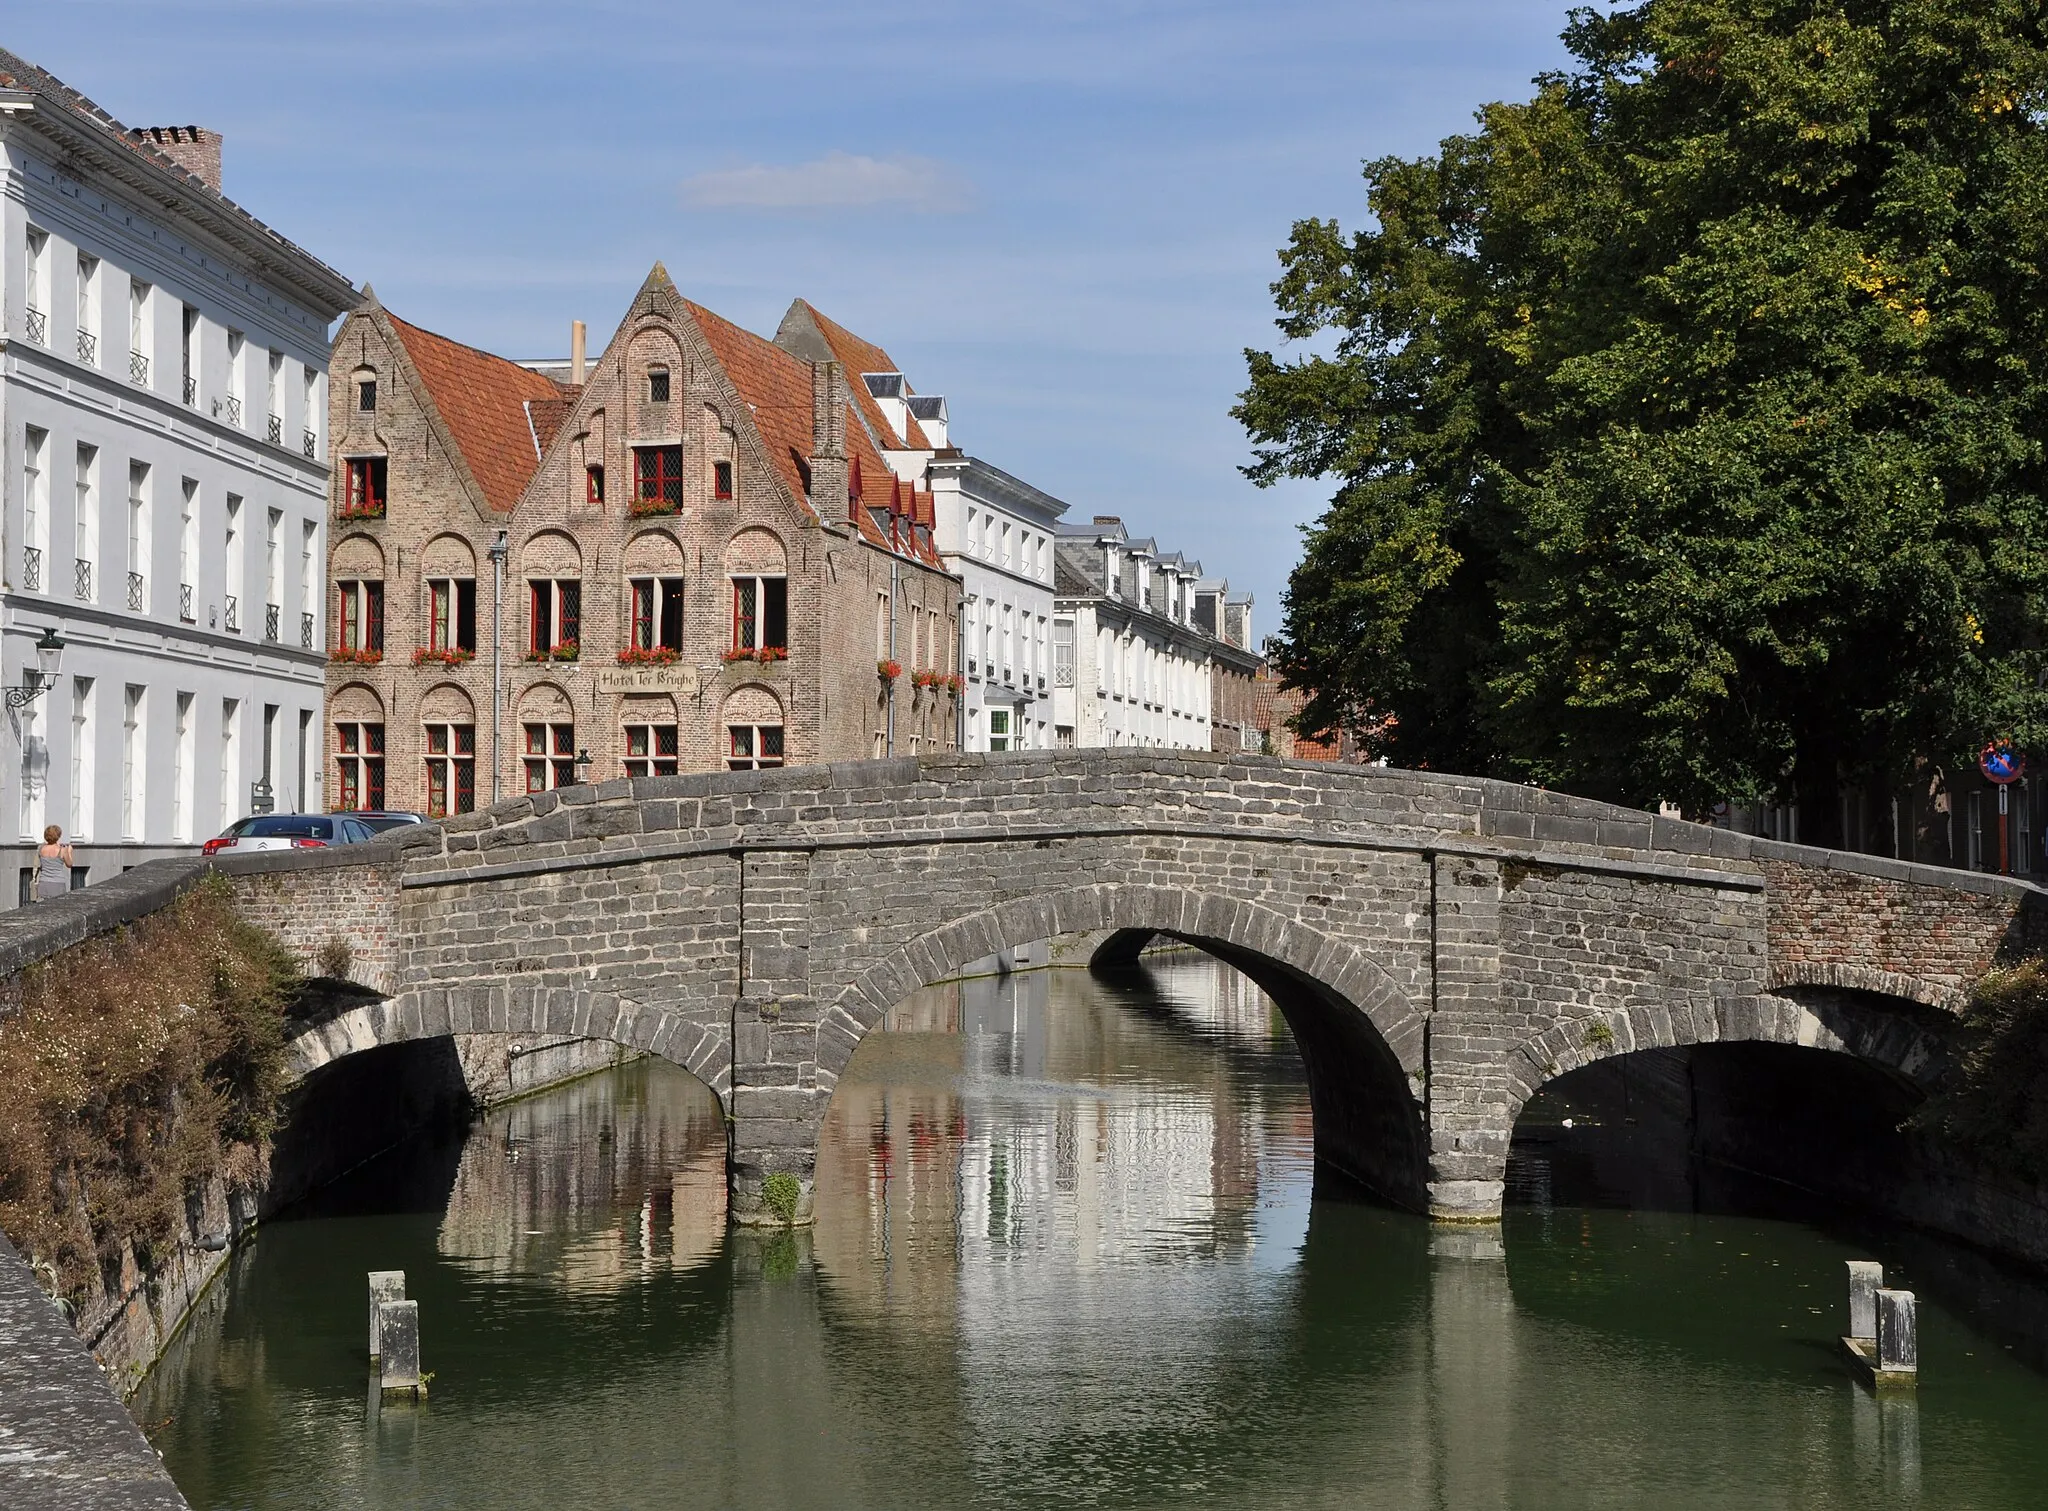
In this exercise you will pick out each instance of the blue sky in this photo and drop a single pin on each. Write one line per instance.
(1062, 216)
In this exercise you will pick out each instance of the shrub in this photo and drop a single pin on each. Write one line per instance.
(135, 1065)
(335, 958)
(780, 1194)
(1994, 1102)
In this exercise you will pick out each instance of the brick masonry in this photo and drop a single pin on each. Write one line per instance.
(1442, 946)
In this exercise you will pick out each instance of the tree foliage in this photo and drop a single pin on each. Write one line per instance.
(1687, 418)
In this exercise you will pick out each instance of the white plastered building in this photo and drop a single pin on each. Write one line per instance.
(163, 360)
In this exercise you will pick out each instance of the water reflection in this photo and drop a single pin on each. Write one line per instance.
(1066, 1254)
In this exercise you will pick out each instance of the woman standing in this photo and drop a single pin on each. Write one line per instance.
(53, 866)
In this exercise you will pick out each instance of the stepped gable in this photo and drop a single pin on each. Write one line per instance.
(863, 356)
(494, 410)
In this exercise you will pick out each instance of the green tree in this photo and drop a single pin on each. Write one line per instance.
(1687, 418)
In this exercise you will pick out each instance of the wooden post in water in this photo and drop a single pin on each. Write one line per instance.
(385, 1285)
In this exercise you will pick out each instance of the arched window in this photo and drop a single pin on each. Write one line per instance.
(753, 729)
(449, 742)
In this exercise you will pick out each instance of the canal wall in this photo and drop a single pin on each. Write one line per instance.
(66, 1442)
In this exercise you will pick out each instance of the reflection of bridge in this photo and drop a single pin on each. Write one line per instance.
(1440, 946)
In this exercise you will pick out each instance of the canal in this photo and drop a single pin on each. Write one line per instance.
(1070, 1250)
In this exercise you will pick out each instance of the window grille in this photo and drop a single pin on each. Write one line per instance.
(88, 347)
(38, 327)
(191, 389)
(753, 747)
(310, 443)
(82, 589)
(274, 433)
(136, 597)
(305, 631)
(272, 614)
(234, 410)
(138, 368)
(31, 569)
(231, 614)
(185, 595)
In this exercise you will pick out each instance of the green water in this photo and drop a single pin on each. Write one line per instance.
(1066, 1255)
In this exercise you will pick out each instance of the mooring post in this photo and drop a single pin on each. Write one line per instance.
(385, 1285)
(1866, 1278)
(1898, 1343)
(398, 1330)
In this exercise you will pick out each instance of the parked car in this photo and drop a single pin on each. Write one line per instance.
(380, 819)
(289, 831)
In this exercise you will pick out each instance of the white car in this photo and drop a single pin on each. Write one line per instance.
(288, 831)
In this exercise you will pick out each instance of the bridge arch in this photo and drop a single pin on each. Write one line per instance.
(705, 1052)
(1360, 1036)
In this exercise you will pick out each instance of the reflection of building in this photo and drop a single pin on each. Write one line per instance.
(165, 473)
(708, 565)
(594, 1182)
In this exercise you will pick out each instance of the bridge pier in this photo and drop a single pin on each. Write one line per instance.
(1470, 1102)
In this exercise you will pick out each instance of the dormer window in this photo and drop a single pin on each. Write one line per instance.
(657, 385)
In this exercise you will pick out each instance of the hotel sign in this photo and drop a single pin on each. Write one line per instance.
(648, 679)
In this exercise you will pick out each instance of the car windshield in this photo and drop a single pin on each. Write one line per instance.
(290, 826)
(379, 822)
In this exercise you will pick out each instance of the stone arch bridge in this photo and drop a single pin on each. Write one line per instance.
(1440, 946)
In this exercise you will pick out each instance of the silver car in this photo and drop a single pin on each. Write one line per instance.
(289, 831)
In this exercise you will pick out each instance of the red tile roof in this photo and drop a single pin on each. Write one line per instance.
(865, 357)
(484, 401)
(777, 388)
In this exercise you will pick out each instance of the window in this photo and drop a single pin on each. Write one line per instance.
(366, 395)
(593, 483)
(232, 599)
(367, 479)
(451, 769)
(657, 613)
(134, 763)
(760, 613)
(882, 626)
(309, 442)
(721, 479)
(138, 331)
(753, 747)
(35, 511)
(999, 729)
(273, 572)
(555, 617)
(181, 770)
(657, 385)
(451, 615)
(38, 286)
(138, 537)
(188, 546)
(550, 756)
(88, 308)
(650, 750)
(309, 580)
(360, 614)
(360, 765)
(238, 389)
(273, 399)
(82, 776)
(657, 479)
(86, 536)
(188, 352)
(230, 759)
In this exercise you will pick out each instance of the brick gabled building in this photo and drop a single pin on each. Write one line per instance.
(706, 562)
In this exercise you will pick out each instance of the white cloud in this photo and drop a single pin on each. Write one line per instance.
(836, 181)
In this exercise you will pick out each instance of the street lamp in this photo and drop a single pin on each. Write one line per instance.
(35, 683)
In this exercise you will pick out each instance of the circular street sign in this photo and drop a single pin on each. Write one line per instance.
(2000, 763)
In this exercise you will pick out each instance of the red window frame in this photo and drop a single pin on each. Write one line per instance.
(721, 480)
(368, 481)
(593, 484)
(658, 475)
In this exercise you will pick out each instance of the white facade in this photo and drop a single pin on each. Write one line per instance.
(1132, 661)
(162, 402)
(999, 536)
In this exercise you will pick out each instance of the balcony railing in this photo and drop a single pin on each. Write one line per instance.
(138, 368)
(31, 569)
(274, 431)
(234, 410)
(310, 443)
(305, 632)
(191, 389)
(272, 616)
(1063, 674)
(38, 326)
(138, 598)
(88, 347)
(82, 581)
(185, 596)
(231, 614)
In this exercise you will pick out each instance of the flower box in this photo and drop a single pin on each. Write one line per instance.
(888, 671)
(646, 655)
(452, 656)
(647, 508)
(768, 654)
(358, 656)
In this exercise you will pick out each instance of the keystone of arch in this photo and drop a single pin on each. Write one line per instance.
(1338, 967)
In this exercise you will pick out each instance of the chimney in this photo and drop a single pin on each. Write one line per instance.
(577, 365)
(829, 480)
(192, 148)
